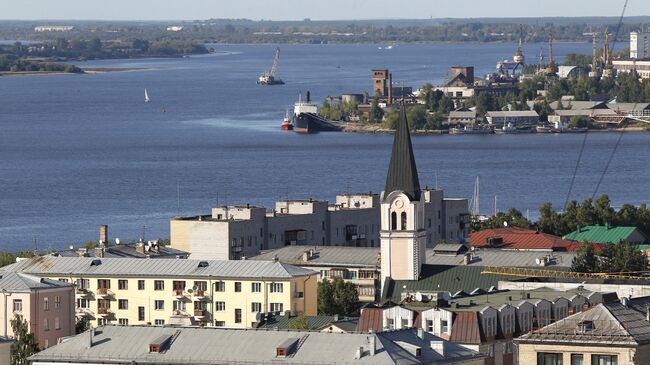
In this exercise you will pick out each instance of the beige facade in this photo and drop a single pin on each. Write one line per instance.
(530, 353)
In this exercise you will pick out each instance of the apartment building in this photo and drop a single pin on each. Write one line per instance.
(128, 291)
(234, 232)
(47, 305)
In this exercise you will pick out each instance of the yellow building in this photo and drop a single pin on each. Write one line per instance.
(129, 291)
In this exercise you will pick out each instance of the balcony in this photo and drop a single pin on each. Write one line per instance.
(103, 312)
(179, 293)
(200, 313)
(104, 292)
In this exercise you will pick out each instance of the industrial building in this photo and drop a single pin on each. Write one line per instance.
(234, 232)
(130, 291)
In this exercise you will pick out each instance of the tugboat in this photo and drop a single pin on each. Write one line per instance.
(286, 123)
(307, 120)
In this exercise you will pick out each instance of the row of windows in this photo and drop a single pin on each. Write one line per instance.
(177, 285)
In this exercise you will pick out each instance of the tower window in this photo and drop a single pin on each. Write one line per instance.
(403, 221)
(393, 221)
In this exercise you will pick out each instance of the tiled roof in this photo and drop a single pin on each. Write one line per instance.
(20, 282)
(90, 266)
(443, 278)
(601, 234)
(194, 345)
(520, 239)
(466, 328)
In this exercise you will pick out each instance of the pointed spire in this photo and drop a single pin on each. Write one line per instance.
(402, 172)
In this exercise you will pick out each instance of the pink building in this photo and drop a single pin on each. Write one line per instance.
(47, 305)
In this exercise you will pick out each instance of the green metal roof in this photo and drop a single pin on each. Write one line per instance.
(600, 234)
(402, 172)
(443, 278)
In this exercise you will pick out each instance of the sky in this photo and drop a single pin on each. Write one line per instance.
(313, 9)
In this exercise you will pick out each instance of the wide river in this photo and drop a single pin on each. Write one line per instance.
(77, 151)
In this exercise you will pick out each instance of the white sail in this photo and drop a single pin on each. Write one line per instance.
(146, 96)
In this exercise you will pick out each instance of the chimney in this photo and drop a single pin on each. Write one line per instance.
(439, 347)
(372, 340)
(421, 333)
(103, 234)
(91, 334)
(305, 256)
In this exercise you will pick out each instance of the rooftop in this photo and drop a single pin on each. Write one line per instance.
(195, 345)
(601, 234)
(91, 266)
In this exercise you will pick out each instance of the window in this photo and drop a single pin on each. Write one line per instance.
(237, 315)
(219, 323)
(577, 359)
(140, 313)
(57, 323)
(547, 358)
(18, 305)
(219, 306)
(141, 285)
(57, 301)
(123, 304)
(122, 284)
(604, 359)
(393, 221)
(444, 326)
(256, 307)
(256, 287)
(158, 285)
(276, 288)
(220, 286)
(46, 324)
(159, 305)
(123, 322)
(237, 286)
(46, 303)
(159, 322)
(429, 326)
(403, 221)
(277, 307)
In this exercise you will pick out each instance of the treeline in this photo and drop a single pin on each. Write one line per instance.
(11, 63)
(83, 49)
(587, 213)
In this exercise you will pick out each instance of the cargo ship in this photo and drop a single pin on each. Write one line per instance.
(307, 120)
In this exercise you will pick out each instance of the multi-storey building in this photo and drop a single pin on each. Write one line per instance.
(130, 291)
(233, 232)
(47, 306)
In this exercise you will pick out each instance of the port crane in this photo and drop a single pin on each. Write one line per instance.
(268, 77)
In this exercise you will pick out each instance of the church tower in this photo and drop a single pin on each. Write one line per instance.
(403, 237)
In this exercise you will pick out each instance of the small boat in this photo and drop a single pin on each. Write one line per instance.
(286, 123)
(146, 96)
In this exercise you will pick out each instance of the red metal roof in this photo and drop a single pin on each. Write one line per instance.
(520, 239)
(465, 328)
(371, 319)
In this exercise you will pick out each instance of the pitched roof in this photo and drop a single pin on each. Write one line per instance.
(519, 239)
(608, 323)
(209, 345)
(20, 282)
(601, 234)
(402, 171)
(91, 266)
(435, 278)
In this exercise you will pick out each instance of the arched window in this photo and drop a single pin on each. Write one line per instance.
(403, 221)
(393, 221)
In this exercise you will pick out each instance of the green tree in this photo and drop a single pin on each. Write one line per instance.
(299, 323)
(25, 343)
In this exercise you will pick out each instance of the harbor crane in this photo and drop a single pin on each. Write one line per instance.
(268, 77)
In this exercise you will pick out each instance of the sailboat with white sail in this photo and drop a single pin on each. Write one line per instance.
(146, 96)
